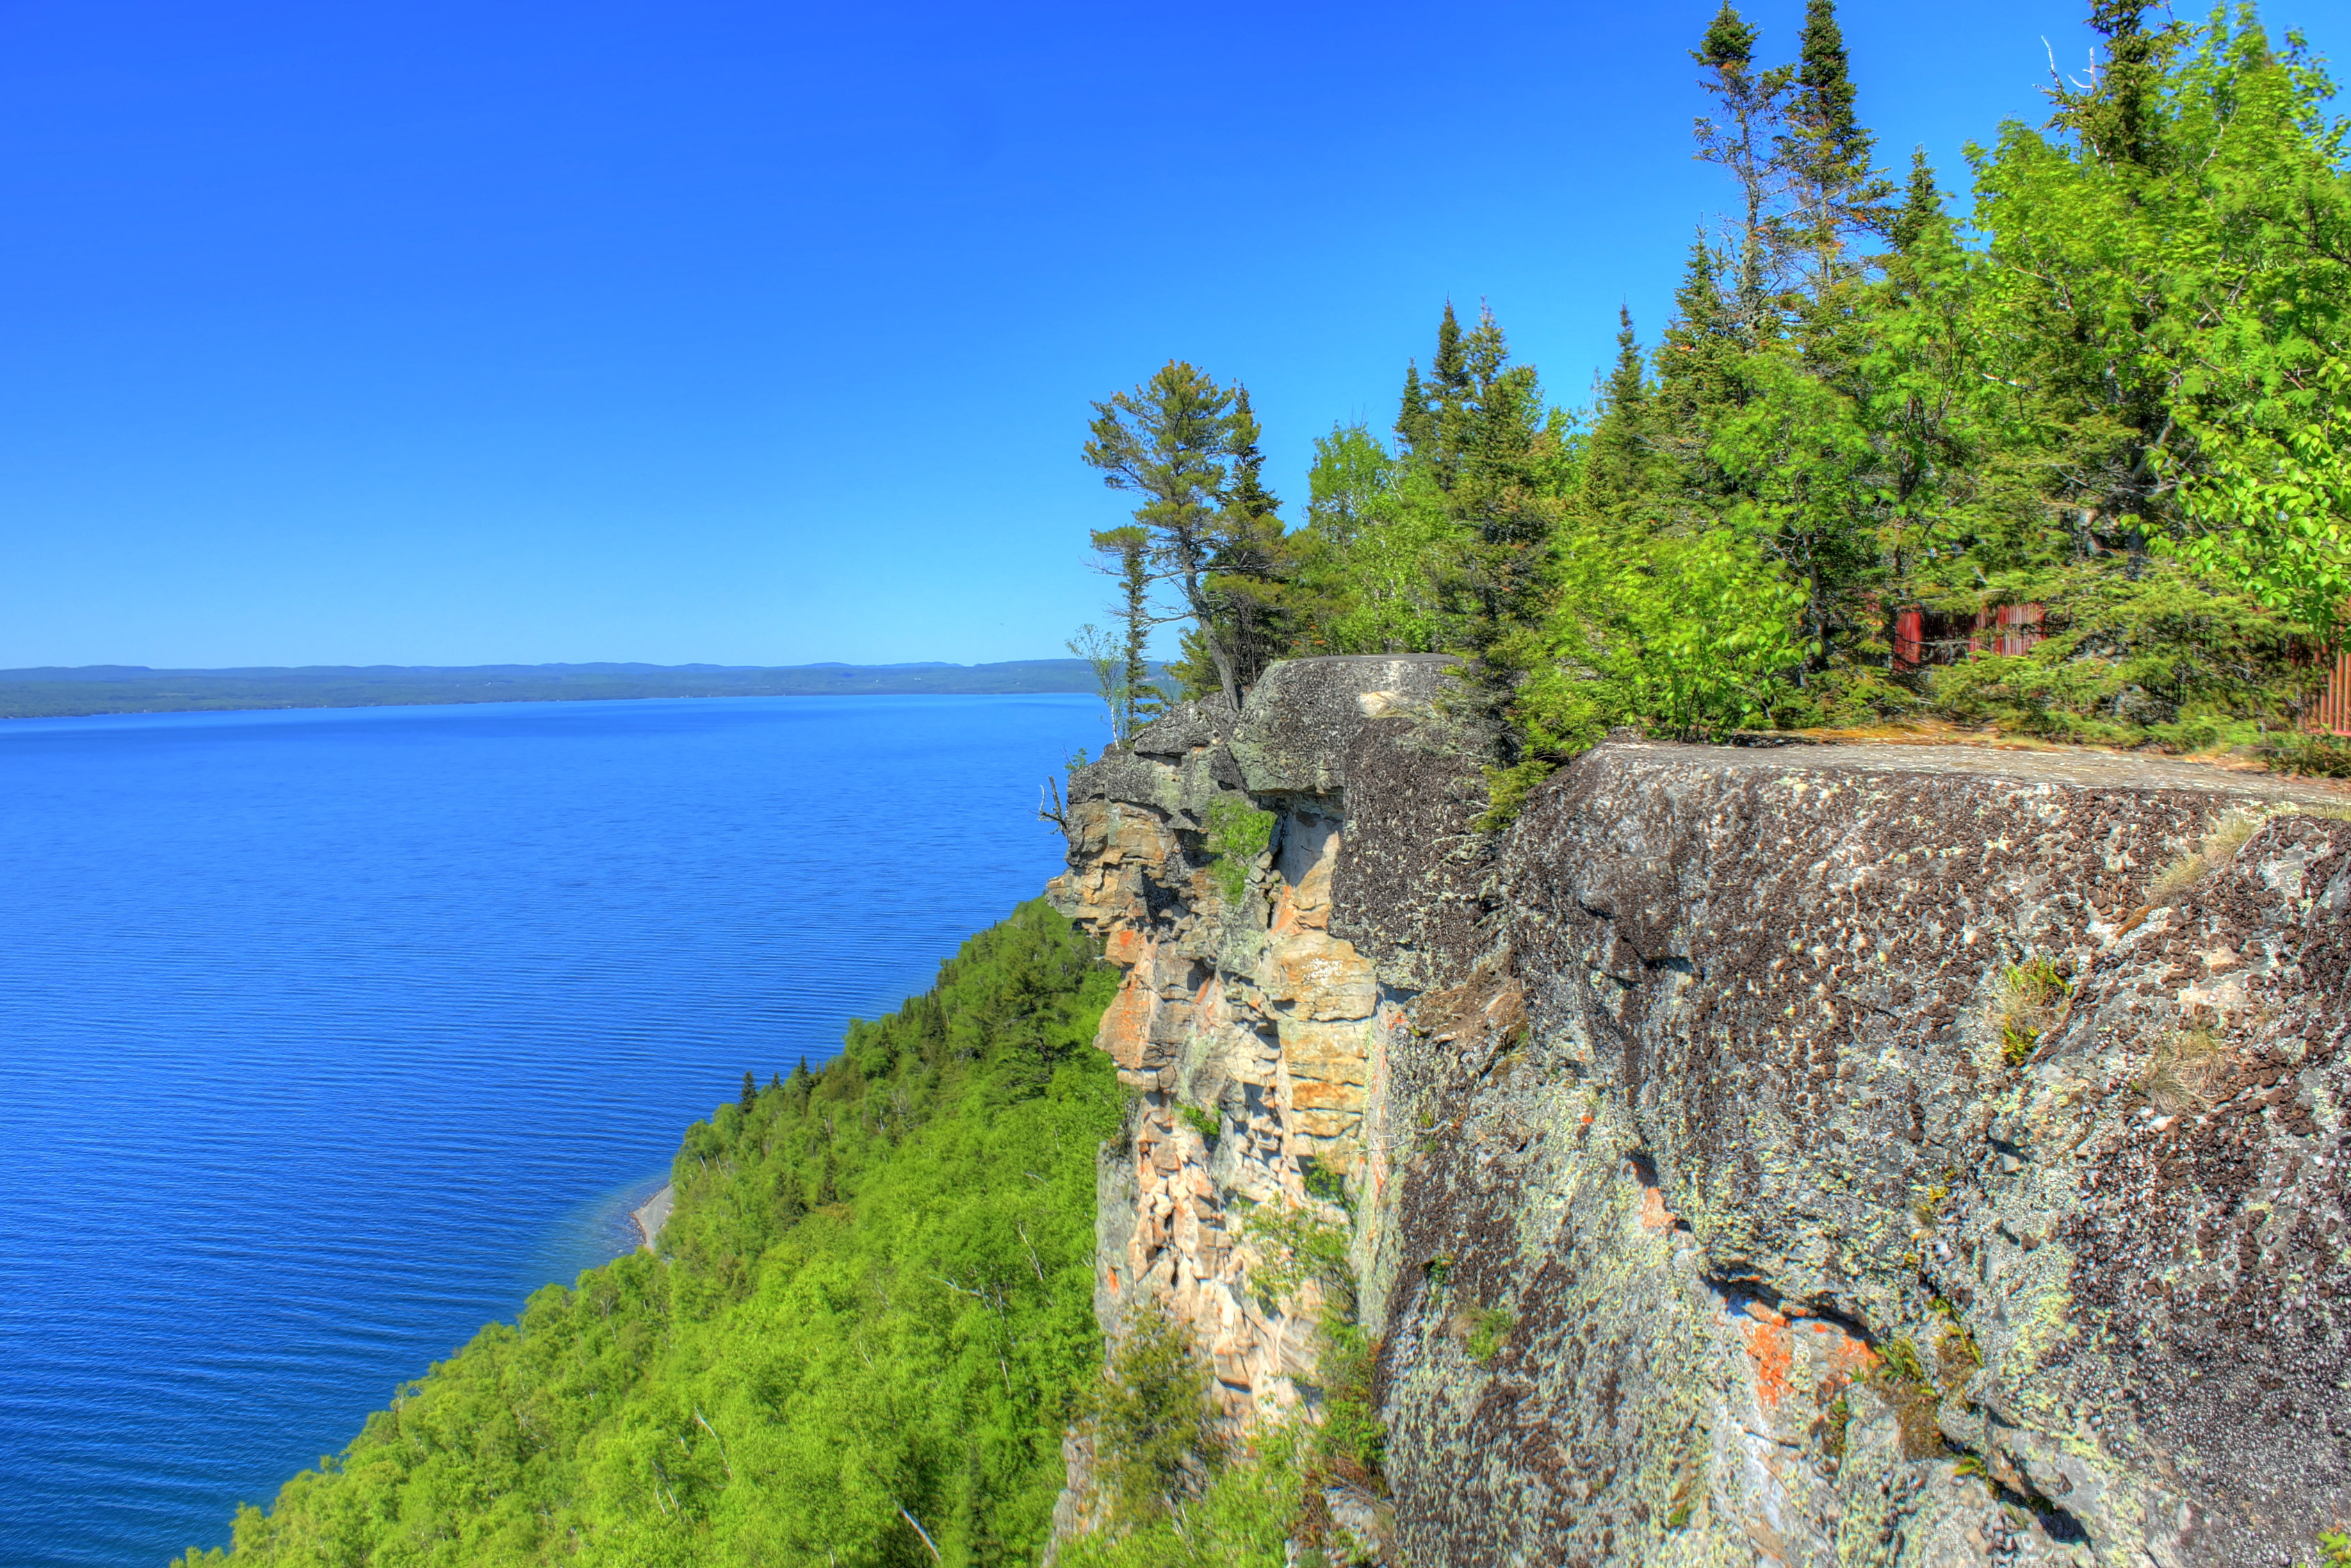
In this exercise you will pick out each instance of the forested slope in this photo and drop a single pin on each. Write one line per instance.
(871, 1312)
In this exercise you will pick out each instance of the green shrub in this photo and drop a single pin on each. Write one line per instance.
(1238, 832)
(1483, 1332)
(1154, 1424)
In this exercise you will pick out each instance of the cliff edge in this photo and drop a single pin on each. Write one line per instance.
(1807, 1155)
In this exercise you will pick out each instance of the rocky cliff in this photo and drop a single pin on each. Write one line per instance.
(1804, 1155)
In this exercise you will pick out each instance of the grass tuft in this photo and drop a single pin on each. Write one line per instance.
(2187, 1072)
(1482, 1331)
(2026, 1007)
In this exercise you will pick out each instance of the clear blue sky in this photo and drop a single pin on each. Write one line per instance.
(509, 330)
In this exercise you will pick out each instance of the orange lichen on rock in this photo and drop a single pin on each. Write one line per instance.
(1769, 1345)
(1654, 1215)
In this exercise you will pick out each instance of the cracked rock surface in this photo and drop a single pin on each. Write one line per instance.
(1803, 1155)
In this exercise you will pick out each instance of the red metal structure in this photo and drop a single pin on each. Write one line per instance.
(1923, 637)
(2334, 715)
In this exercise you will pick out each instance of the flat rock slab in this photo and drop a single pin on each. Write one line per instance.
(653, 1214)
(2080, 767)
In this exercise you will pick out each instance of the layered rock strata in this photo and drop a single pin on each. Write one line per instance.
(1800, 1156)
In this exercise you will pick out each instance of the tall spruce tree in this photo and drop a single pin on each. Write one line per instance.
(1749, 108)
(1251, 565)
(1412, 425)
(1170, 441)
(1621, 455)
(1824, 161)
(1124, 554)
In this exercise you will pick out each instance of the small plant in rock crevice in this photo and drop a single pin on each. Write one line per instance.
(1205, 1122)
(2026, 1006)
(1235, 834)
(1482, 1331)
(1834, 1422)
(1900, 1378)
(2225, 838)
(1930, 1205)
(2187, 1072)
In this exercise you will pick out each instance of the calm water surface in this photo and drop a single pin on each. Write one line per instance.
(326, 1037)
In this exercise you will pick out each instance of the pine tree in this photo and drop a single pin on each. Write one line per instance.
(1412, 425)
(1128, 689)
(1751, 105)
(790, 1206)
(1922, 207)
(1251, 560)
(1170, 441)
(1701, 369)
(1621, 452)
(750, 1093)
(1824, 158)
(1450, 390)
(2119, 120)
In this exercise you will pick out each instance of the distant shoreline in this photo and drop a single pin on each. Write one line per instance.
(93, 690)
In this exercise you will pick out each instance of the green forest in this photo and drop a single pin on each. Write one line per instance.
(870, 1322)
(2071, 459)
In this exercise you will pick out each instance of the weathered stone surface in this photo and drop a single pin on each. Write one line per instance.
(1744, 1167)
(1298, 726)
(1687, 1101)
(1247, 1009)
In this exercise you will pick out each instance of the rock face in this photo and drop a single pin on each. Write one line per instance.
(1802, 1155)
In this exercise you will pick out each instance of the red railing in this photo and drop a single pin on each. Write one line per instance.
(2334, 715)
(1923, 637)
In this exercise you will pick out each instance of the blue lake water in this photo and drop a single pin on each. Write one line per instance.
(327, 1036)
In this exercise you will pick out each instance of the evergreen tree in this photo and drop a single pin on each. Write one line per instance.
(790, 1206)
(750, 1097)
(1922, 207)
(1170, 441)
(1252, 563)
(1750, 107)
(1701, 373)
(1451, 393)
(1824, 158)
(1412, 425)
(1121, 661)
(1621, 455)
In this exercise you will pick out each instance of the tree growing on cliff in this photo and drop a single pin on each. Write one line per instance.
(1121, 659)
(1210, 528)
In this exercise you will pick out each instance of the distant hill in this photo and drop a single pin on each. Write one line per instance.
(59, 693)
